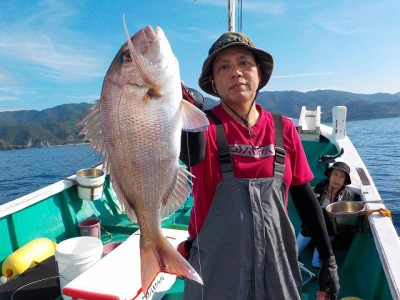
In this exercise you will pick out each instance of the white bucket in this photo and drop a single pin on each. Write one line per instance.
(90, 183)
(76, 255)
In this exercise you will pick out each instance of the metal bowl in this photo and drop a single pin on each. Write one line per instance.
(90, 173)
(345, 212)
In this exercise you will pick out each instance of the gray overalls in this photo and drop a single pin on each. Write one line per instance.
(246, 248)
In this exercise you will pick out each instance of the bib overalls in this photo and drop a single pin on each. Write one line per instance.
(246, 248)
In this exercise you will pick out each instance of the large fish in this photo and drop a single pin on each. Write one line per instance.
(136, 125)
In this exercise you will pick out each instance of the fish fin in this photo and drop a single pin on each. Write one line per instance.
(163, 257)
(123, 201)
(130, 213)
(193, 119)
(180, 192)
(93, 132)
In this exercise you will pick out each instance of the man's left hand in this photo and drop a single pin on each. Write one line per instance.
(328, 278)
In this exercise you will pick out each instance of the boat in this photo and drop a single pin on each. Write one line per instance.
(366, 250)
(366, 247)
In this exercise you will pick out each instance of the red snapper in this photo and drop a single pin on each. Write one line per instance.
(136, 125)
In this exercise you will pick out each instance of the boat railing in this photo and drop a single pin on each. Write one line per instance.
(309, 124)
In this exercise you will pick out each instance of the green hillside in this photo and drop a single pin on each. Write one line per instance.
(49, 127)
(359, 106)
(58, 125)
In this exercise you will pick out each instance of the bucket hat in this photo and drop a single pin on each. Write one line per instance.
(339, 165)
(229, 39)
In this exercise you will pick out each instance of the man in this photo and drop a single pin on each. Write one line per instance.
(243, 244)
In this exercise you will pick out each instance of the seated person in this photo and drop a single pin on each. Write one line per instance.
(328, 191)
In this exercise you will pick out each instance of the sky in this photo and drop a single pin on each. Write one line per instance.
(58, 52)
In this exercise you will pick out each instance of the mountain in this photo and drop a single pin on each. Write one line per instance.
(58, 125)
(359, 106)
(33, 129)
(59, 114)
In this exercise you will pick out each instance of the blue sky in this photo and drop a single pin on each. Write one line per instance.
(56, 52)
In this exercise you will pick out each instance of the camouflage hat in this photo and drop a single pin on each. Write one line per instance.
(229, 39)
(342, 166)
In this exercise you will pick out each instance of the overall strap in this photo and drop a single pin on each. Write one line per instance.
(280, 152)
(224, 155)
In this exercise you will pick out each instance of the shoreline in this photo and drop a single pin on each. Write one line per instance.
(18, 147)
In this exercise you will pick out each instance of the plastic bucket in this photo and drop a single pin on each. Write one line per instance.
(76, 255)
(90, 183)
(107, 248)
(90, 227)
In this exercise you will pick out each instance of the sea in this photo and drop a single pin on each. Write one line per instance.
(377, 141)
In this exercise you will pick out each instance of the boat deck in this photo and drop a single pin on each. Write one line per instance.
(60, 210)
(349, 246)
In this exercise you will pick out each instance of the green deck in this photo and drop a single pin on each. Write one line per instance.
(360, 270)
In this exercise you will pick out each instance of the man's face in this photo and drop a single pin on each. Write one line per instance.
(236, 75)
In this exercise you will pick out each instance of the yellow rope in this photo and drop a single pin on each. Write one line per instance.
(384, 212)
(108, 233)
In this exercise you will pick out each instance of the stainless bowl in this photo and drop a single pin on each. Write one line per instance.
(346, 212)
(90, 173)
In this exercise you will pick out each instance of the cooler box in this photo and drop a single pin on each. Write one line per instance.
(117, 275)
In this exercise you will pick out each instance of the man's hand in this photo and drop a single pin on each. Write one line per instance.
(328, 279)
(185, 246)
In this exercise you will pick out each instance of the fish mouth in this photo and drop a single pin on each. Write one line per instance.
(151, 35)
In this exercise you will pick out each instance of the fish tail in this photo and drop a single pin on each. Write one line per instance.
(163, 258)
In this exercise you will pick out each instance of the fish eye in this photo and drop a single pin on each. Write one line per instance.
(126, 56)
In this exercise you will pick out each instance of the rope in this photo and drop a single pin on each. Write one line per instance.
(384, 212)
(108, 233)
(29, 283)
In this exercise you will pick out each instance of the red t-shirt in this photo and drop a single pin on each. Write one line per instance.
(252, 158)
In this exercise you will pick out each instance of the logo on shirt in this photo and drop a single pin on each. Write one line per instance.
(248, 150)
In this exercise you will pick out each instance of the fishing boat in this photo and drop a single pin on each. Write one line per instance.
(366, 245)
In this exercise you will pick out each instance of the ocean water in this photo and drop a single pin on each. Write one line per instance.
(25, 171)
(377, 141)
(378, 144)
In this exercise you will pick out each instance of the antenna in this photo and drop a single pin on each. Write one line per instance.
(239, 15)
(231, 15)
